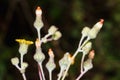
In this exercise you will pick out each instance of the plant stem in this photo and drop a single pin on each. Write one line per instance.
(40, 64)
(66, 71)
(50, 75)
(24, 77)
(69, 65)
(75, 54)
(21, 60)
(81, 40)
(60, 74)
(85, 42)
(82, 60)
(78, 78)
(39, 71)
(39, 36)
(17, 67)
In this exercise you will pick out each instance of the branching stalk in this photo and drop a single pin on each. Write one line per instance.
(78, 78)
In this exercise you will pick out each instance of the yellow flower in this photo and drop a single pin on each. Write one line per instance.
(23, 41)
(23, 45)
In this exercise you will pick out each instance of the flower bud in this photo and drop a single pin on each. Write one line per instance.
(38, 24)
(87, 47)
(96, 28)
(57, 35)
(15, 61)
(50, 52)
(51, 64)
(64, 62)
(88, 65)
(23, 49)
(23, 45)
(52, 29)
(38, 11)
(39, 56)
(44, 40)
(85, 31)
(24, 65)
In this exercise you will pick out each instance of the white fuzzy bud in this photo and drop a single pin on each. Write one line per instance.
(39, 56)
(96, 28)
(87, 47)
(51, 64)
(23, 45)
(64, 62)
(38, 24)
(52, 29)
(44, 40)
(88, 65)
(57, 35)
(15, 61)
(38, 11)
(85, 31)
(24, 65)
(23, 49)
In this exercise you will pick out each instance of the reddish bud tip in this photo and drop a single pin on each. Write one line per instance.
(71, 59)
(38, 11)
(37, 43)
(50, 52)
(38, 8)
(91, 54)
(101, 21)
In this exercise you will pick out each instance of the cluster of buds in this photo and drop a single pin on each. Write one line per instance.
(23, 48)
(53, 34)
(85, 46)
(92, 33)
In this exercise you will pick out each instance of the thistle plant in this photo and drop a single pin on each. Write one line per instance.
(84, 47)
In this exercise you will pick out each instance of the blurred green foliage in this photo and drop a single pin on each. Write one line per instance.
(17, 16)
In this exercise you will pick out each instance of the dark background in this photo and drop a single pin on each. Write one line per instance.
(70, 16)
